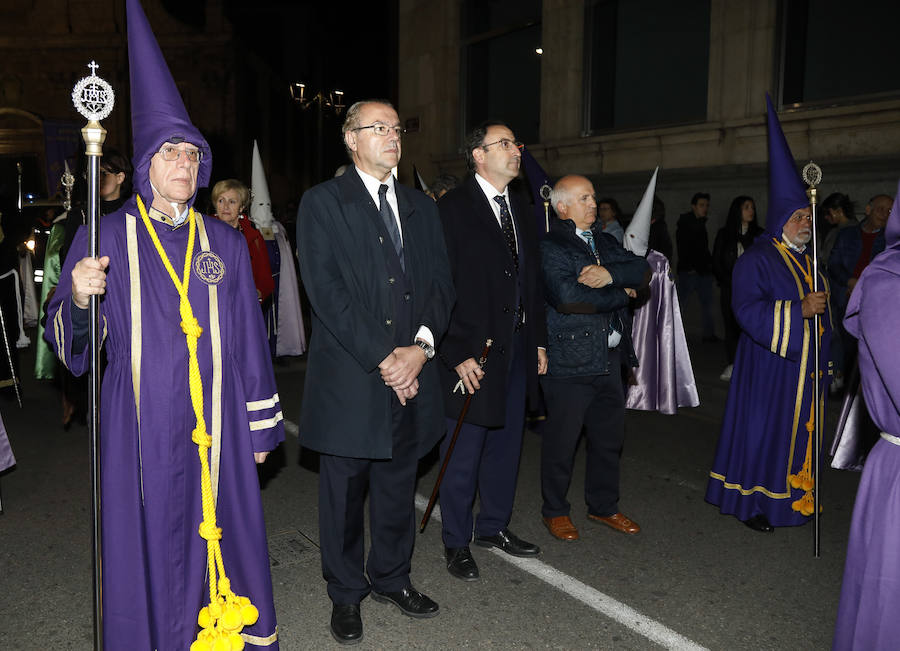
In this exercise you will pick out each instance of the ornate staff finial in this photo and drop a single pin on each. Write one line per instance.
(812, 174)
(93, 97)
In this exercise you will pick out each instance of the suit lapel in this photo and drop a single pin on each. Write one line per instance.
(485, 213)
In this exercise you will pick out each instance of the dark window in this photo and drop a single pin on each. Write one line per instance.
(502, 70)
(832, 50)
(646, 63)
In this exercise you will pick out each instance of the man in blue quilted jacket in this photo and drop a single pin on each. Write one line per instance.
(589, 280)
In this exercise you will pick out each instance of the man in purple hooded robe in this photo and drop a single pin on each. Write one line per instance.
(871, 588)
(154, 560)
(762, 469)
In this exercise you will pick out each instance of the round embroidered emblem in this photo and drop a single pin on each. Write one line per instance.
(209, 267)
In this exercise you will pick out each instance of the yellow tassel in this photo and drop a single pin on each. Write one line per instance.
(222, 620)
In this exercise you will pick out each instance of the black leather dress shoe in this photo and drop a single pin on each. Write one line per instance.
(346, 624)
(410, 602)
(461, 564)
(506, 541)
(760, 522)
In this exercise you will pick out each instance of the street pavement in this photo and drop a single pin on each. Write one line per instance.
(691, 579)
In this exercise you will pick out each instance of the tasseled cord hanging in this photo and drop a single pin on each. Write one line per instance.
(803, 479)
(222, 620)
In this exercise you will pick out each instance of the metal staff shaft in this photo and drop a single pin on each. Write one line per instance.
(94, 136)
(459, 422)
(12, 367)
(812, 174)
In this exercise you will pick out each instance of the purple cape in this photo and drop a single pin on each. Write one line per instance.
(665, 377)
(764, 436)
(7, 460)
(291, 331)
(871, 587)
(154, 561)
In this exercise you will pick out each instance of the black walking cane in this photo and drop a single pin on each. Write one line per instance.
(94, 99)
(459, 422)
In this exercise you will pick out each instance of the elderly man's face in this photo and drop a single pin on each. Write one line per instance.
(879, 211)
(581, 206)
(798, 228)
(175, 181)
(374, 154)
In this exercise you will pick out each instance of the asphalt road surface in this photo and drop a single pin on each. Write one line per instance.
(691, 579)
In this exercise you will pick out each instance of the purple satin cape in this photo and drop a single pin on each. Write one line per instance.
(665, 377)
(871, 587)
(7, 460)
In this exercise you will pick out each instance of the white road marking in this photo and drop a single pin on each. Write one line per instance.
(591, 597)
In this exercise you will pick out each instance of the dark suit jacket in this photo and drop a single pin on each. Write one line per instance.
(346, 407)
(484, 277)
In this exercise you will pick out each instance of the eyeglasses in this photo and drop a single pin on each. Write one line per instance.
(171, 153)
(505, 143)
(382, 130)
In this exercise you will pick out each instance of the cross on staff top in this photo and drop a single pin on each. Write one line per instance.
(93, 66)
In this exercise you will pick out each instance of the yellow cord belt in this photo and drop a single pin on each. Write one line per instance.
(222, 620)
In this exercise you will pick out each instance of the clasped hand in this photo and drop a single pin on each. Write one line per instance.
(400, 371)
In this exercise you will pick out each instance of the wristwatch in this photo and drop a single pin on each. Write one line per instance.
(427, 348)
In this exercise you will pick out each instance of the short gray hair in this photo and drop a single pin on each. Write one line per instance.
(351, 122)
(560, 194)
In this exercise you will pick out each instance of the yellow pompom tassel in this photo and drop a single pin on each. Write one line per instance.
(227, 613)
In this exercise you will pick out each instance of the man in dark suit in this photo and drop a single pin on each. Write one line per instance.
(375, 269)
(492, 246)
(589, 280)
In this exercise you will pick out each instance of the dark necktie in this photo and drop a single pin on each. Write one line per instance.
(589, 238)
(390, 223)
(506, 226)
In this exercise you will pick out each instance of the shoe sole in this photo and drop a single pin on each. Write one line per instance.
(506, 551)
(355, 640)
(385, 600)
(613, 527)
(463, 578)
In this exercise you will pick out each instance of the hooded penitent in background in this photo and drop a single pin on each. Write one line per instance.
(189, 370)
(664, 380)
(866, 616)
(537, 179)
(284, 320)
(762, 473)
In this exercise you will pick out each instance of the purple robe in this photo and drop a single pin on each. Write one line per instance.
(7, 460)
(871, 588)
(664, 380)
(764, 436)
(154, 561)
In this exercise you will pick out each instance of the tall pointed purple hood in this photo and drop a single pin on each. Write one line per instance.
(787, 191)
(157, 110)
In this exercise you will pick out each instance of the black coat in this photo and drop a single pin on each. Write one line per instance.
(485, 281)
(579, 317)
(346, 407)
(693, 244)
(724, 255)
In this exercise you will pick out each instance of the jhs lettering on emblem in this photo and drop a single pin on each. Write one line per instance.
(209, 267)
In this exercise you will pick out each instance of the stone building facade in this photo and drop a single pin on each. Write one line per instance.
(856, 142)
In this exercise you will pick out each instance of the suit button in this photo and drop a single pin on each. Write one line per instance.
(506, 309)
(388, 322)
(502, 350)
(507, 273)
(406, 296)
(391, 281)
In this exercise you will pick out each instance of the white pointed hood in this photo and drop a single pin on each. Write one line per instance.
(638, 233)
(260, 203)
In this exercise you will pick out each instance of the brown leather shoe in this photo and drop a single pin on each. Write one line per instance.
(561, 527)
(617, 521)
